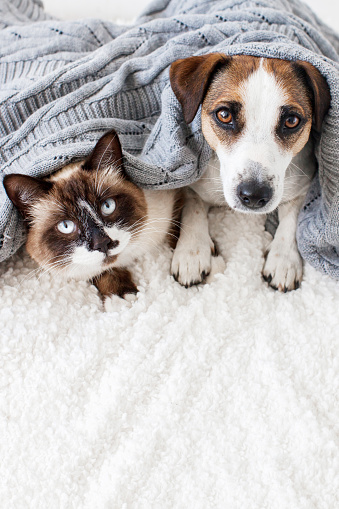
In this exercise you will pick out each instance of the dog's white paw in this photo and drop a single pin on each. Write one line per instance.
(218, 266)
(191, 265)
(283, 270)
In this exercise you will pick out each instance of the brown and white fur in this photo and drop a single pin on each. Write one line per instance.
(256, 115)
(88, 221)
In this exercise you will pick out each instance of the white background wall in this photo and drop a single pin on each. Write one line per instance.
(328, 10)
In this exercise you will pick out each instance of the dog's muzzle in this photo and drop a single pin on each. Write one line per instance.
(254, 194)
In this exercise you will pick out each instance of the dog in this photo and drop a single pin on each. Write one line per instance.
(260, 116)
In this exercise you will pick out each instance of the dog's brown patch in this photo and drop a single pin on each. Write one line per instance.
(298, 100)
(316, 83)
(190, 79)
(225, 92)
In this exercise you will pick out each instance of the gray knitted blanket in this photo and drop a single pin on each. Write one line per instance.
(64, 83)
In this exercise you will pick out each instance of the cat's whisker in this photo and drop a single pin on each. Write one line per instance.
(146, 245)
(30, 275)
(47, 269)
(99, 183)
(103, 179)
(216, 191)
(51, 261)
(143, 229)
(71, 271)
(212, 179)
(40, 268)
(153, 230)
(102, 193)
(159, 220)
(58, 260)
(215, 167)
(172, 222)
(136, 223)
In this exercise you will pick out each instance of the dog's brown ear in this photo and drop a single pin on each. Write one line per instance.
(190, 78)
(320, 91)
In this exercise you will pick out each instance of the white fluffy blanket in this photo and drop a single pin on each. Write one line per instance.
(223, 396)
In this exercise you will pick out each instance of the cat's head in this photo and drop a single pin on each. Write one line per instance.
(81, 219)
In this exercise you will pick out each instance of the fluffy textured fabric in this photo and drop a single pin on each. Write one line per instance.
(219, 396)
(64, 83)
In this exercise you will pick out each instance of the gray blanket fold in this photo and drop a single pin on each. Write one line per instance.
(64, 83)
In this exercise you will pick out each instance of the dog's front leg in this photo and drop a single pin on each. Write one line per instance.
(283, 268)
(193, 256)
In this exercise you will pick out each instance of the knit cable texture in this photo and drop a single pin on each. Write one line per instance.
(63, 84)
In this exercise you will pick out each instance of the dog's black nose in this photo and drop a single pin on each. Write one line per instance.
(253, 194)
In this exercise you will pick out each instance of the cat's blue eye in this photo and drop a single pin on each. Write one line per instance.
(108, 207)
(66, 226)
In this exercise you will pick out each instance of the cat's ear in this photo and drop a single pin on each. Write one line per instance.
(106, 153)
(24, 191)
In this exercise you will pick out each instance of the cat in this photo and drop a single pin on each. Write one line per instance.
(89, 221)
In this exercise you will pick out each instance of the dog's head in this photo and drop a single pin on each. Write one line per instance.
(257, 114)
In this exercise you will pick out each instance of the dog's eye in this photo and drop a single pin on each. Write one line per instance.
(292, 121)
(224, 115)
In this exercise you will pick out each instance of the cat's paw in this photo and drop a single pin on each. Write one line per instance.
(116, 281)
(191, 264)
(116, 303)
(130, 297)
(113, 303)
(283, 270)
